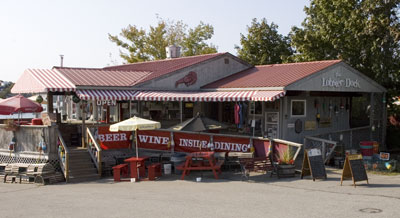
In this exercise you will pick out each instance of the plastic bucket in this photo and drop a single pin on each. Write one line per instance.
(178, 159)
(167, 169)
(367, 149)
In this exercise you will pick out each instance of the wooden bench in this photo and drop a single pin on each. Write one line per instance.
(154, 170)
(256, 164)
(117, 170)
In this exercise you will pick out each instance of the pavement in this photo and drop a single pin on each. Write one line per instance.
(261, 196)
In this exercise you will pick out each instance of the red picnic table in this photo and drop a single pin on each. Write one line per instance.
(201, 161)
(134, 164)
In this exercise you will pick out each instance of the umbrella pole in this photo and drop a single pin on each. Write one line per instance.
(137, 153)
(136, 144)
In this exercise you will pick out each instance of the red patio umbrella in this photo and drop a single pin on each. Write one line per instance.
(19, 104)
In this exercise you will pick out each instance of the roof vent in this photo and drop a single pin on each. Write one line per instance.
(173, 51)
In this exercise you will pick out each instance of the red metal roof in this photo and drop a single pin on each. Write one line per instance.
(275, 75)
(42, 80)
(100, 77)
(162, 67)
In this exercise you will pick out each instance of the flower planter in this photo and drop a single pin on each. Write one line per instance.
(284, 171)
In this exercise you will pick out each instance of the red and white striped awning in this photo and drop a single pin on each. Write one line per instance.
(211, 96)
(42, 80)
(101, 94)
(216, 96)
(267, 95)
(193, 96)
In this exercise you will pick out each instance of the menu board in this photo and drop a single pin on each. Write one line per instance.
(313, 164)
(354, 168)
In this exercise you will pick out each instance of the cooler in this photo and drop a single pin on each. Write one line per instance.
(367, 149)
(37, 121)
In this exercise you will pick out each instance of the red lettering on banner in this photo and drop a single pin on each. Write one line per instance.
(113, 140)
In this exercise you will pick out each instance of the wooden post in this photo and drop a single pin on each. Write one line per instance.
(83, 124)
(181, 110)
(371, 116)
(95, 111)
(50, 102)
(384, 121)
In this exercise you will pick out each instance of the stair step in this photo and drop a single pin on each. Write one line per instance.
(81, 165)
(80, 157)
(83, 172)
(85, 178)
(78, 168)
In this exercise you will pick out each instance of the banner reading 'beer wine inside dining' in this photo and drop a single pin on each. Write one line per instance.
(191, 142)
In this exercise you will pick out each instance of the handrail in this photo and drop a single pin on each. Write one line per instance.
(298, 145)
(320, 139)
(344, 130)
(63, 154)
(326, 155)
(94, 150)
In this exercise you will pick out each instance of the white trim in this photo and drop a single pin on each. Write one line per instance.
(305, 107)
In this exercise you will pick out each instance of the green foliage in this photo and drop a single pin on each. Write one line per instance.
(6, 91)
(263, 45)
(141, 45)
(285, 155)
(363, 33)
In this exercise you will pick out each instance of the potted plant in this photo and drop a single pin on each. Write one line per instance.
(285, 165)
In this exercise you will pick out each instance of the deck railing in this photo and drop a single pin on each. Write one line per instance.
(327, 146)
(348, 139)
(94, 150)
(63, 154)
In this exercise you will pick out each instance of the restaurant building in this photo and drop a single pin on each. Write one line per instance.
(328, 100)
(286, 101)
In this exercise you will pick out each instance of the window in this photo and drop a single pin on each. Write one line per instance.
(298, 108)
(256, 107)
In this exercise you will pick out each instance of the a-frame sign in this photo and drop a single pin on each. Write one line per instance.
(354, 168)
(313, 164)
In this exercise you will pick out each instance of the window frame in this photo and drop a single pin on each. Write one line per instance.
(305, 107)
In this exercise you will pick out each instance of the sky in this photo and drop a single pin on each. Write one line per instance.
(35, 33)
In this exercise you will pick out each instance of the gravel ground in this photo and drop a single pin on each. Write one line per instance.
(261, 196)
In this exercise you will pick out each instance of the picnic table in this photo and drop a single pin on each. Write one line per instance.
(201, 161)
(136, 163)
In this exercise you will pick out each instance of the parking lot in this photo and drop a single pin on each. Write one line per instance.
(262, 196)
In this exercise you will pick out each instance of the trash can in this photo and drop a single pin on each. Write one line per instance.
(167, 168)
(178, 159)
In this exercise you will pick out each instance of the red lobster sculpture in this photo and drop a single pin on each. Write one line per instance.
(188, 80)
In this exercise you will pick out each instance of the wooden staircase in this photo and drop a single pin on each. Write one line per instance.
(81, 167)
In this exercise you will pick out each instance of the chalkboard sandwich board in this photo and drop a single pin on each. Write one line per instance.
(313, 164)
(354, 169)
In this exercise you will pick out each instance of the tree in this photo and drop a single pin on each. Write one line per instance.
(263, 44)
(363, 33)
(141, 45)
(6, 91)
